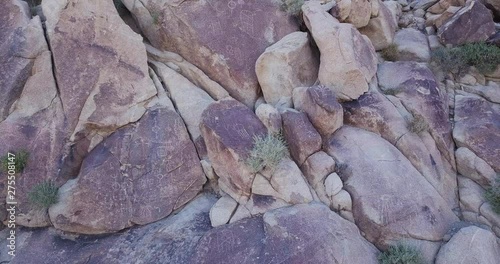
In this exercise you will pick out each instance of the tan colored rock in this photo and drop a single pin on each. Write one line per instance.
(490, 92)
(288, 181)
(333, 184)
(474, 168)
(381, 28)
(355, 12)
(321, 106)
(240, 213)
(470, 245)
(222, 211)
(302, 138)
(412, 45)
(223, 39)
(341, 201)
(287, 64)
(442, 5)
(395, 9)
(348, 60)
(270, 117)
(447, 14)
(316, 168)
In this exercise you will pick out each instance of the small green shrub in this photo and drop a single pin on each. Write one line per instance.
(155, 15)
(483, 56)
(418, 124)
(492, 195)
(400, 254)
(43, 195)
(20, 160)
(33, 3)
(267, 152)
(390, 53)
(292, 7)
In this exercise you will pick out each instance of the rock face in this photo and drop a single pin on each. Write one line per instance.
(380, 29)
(102, 74)
(476, 127)
(355, 12)
(474, 168)
(470, 245)
(348, 60)
(406, 204)
(138, 175)
(303, 140)
(228, 128)
(412, 45)
(297, 234)
(321, 106)
(222, 39)
(473, 23)
(287, 64)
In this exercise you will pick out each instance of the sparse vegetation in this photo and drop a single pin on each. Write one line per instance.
(20, 160)
(391, 91)
(390, 53)
(492, 195)
(400, 254)
(155, 15)
(483, 56)
(418, 124)
(43, 195)
(267, 152)
(33, 3)
(292, 7)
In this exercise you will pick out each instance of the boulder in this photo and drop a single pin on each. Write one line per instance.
(223, 39)
(442, 5)
(474, 168)
(228, 128)
(297, 234)
(470, 245)
(287, 180)
(493, 5)
(138, 175)
(380, 29)
(422, 4)
(287, 64)
(302, 138)
(348, 60)
(333, 184)
(270, 117)
(321, 106)
(406, 205)
(316, 168)
(222, 211)
(412, 45)
(472, 23)
(443, 17)
(490, 92)
(355, 12)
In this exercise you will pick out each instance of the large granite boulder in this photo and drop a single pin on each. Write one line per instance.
(307, 233)
(287, 64)
(472, 23)
(228, 128)
(223, 38)
(138, 175)
(476, 127)
(412, 45)
(472, 245)
(348, 61)
(355, 12)
(391, 200)
(100, 66)
(380, 29)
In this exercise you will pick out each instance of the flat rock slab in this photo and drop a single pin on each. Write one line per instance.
(391, 201)
(476, 127)
(138, 175)
(223, 38)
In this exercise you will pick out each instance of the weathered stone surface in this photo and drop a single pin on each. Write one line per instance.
(222, 211)
(138, 175)
(171, 240)
(302, 138)
(223, 39)
(298, 234)
(405, 206)
(493, 5)
(190, 101)
(287, 64)
(316, 168)
(380, 30)
(102, 74)
(348, 60)
(442, 5)
(228, 128)
(321, 106)
(476, 127)
(470, 245)
(412, 45)
(422, 4)
(445, 16)
(473, 23)
(333, 184)
(474, 168)
(270, 117)
(375, 113)
(490, 92)
(355, 12)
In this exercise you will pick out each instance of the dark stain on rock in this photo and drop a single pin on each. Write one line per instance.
(263, 200)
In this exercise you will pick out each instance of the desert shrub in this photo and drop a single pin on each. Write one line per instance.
(390, 53)
(43, 195)
(292, 7)
(155, 15)
(492, 195)
(267, 152)
(400, 254)
(391, 91)
(483, 56)
(418, 124)
(20, 161)
(33, 3)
